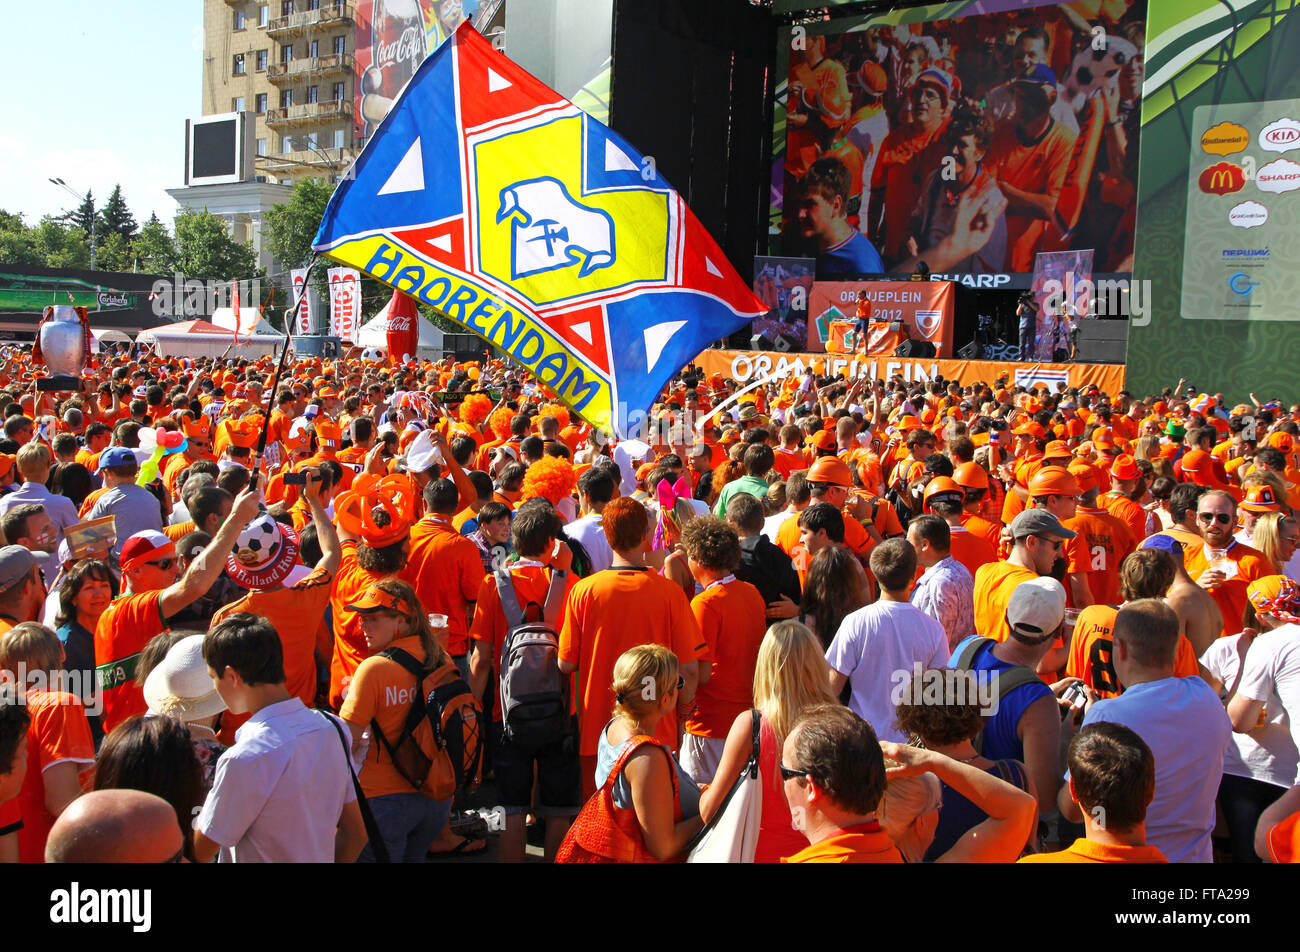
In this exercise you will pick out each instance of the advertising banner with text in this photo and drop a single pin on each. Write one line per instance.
(925, 308)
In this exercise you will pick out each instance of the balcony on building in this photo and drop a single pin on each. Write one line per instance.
(301, 21)
(327, 163)
(316, 67)
(308, 113)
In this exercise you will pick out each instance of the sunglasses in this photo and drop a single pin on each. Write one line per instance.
(1056, 544)
(162, 565)
(1222, 518)
(790, 773)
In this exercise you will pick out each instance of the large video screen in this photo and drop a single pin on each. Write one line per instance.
(969, 143)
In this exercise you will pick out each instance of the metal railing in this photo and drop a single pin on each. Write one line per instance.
(294, 69)
(328, 14)
(309, 111)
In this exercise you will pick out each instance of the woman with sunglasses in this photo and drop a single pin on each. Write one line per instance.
(647, 808)
(377, 701)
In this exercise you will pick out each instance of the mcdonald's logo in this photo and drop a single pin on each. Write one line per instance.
(1222, 178)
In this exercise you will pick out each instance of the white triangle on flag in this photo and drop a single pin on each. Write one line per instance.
(583, 330)
(709, 266)
(409, 174)
(496, 82)
(442, 243)
(656, 339)
(616, 160)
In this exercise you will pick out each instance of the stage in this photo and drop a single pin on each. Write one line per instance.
(744, 366)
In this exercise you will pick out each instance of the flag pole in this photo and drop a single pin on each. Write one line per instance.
(289, 315)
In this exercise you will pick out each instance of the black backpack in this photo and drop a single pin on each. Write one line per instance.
(534, 705)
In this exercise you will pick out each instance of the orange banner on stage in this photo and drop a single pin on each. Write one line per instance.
(881, 341)
(744, 366)
(924, 308)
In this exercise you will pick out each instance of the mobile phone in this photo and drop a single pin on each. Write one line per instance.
(295, 479)
(1075, 696)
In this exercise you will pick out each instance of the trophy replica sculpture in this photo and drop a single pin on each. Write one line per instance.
(63, 345)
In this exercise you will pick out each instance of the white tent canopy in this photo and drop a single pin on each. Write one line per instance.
(109, 335)
(250, 321)
(201, 339)
(375, 334)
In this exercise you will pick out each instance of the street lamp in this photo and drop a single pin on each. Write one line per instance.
(73, 192)
(305, 142)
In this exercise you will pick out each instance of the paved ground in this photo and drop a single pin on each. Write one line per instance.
(485, 798)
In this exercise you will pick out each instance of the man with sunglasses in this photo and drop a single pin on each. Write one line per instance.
(1221, 565)
(1038, 540)
(152, 594)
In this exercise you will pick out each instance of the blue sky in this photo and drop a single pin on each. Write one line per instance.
(97, 93)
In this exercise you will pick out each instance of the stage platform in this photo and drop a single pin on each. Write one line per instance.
(744, 366)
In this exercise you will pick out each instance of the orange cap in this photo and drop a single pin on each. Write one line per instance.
(830, 469)
(1199, 465)
(1281, 440)
(1125, 467)
(1261, 498)
(1056, 450)
(971, 476)
(907, 422)
(942, 486)
(823, 440)
(1085, 475)
(1103, 438)
(1031, 428)
(1053, 481)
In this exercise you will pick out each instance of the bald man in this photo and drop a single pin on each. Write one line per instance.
(116, 826)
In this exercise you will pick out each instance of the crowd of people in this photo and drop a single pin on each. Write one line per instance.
(958, 142)
(251, 616)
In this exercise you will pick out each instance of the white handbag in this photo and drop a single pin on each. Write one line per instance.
(732, 835)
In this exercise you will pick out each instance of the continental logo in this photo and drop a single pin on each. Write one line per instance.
(1225, 139)
(1222, 178)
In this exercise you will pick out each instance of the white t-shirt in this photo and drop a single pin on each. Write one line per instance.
(877, 647)
(590, 531)
(1272, 675)
(1251, 755)
(279, 791)
(772, 524)
(1183, 722)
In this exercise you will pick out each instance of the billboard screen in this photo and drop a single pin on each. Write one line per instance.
(393, 37)
(971, 142)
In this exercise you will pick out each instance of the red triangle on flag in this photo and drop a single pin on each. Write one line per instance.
(491, 86)
(584, 331)
(443, 242)
(706, 268)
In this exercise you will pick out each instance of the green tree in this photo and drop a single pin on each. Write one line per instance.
(154, 249)
(60, 245)
(83, 216)
(116, 218)
(288, 229)
(114, 253)
(17, 241)
(205, 250)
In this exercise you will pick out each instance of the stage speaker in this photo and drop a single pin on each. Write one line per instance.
(914, 349)
(759, 342)
(783, 343)
(972, 351)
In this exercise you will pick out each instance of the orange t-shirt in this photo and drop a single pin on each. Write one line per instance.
(994, 584)
(990, 532)
(867, 843)
(382, 691)
(1127, 511)
(1090, 652)
(531, 582)
(349, 641)
(732, 619)
(1250, 564)
(298, 616)
(445, 570)
(970, 549)
(126, 626)
(179, 531)
(1087, 851)
(89, 502)
(1108, 543)
(606, 614)
(788, 462)
(57, 732)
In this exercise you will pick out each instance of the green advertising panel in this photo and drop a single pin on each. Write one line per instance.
(1219, 199)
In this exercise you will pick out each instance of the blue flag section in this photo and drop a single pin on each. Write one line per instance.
(490, 197)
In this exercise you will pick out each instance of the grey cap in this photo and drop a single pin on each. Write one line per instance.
(16, 563)
(1037, 522)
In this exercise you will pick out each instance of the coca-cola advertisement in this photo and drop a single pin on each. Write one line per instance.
(403, 332)
(393, 37)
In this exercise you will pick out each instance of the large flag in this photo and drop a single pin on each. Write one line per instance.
(493, 199)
